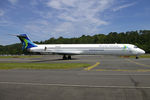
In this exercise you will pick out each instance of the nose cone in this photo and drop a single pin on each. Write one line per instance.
(141, 51)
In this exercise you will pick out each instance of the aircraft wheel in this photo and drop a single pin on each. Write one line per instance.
(69, 56)
(137, 57)
(64, 57)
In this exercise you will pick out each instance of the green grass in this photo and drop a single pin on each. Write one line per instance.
(33, 56)
(142, 56)
(145, 56)
(42, 65)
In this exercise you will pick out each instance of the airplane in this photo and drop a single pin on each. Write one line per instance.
(67, 50)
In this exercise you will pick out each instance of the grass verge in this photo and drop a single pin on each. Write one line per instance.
(141, 56)
(32, 56)
(42, 65)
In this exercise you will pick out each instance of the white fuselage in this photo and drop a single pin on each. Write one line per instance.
(88, 49)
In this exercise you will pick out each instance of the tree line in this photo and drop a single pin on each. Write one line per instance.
(139, 38)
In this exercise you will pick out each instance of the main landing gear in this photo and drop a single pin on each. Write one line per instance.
(66, 57)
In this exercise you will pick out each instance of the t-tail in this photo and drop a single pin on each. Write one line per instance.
(26, 42)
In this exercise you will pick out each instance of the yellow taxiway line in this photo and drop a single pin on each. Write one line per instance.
(124, 70)
(91, 67)
(138, 63)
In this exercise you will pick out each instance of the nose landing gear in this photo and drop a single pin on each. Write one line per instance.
(137, 57)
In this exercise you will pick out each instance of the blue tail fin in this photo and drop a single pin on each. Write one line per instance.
(26, 42)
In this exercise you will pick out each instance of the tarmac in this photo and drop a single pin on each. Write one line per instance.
(108, 78)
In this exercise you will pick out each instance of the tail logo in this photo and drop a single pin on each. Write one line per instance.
(25, 43)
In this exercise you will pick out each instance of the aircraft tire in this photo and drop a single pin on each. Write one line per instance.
(64, 57)
(137, 57)
(69, 57)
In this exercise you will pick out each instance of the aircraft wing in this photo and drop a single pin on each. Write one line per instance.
(67, 52)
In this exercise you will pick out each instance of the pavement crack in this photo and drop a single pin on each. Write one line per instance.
(133, 81)
(142, 91)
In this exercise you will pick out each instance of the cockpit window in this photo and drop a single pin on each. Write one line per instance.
(135, 47)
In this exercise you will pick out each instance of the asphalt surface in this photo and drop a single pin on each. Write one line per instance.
(108, 78)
